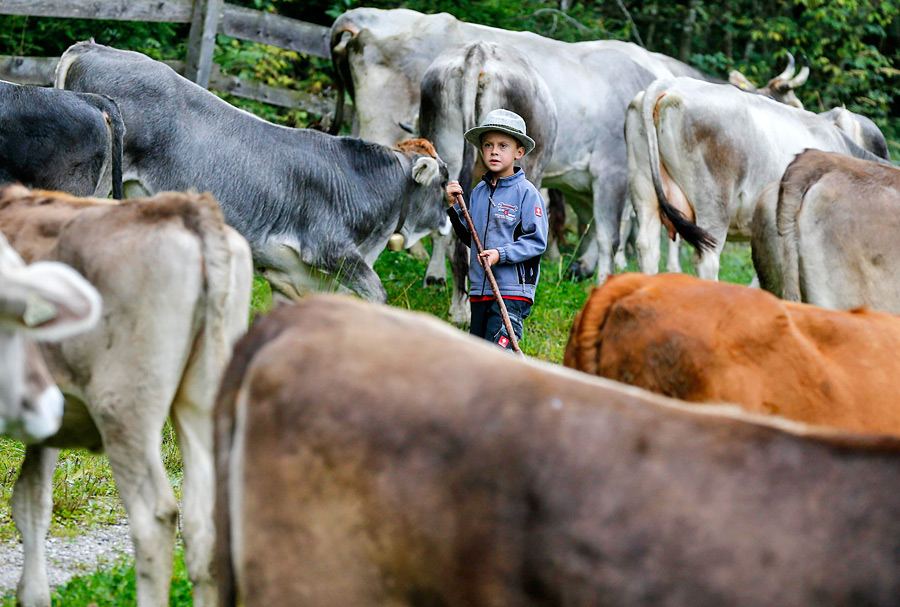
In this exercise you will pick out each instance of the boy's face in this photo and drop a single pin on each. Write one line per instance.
(500, 151)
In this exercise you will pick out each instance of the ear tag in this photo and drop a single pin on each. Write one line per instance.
(38, 311)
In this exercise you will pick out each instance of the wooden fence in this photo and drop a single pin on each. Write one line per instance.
(207, 18)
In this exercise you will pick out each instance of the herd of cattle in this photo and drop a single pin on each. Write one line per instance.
(361, 455)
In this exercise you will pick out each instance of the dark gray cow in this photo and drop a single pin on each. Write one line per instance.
(458, 90)
(60, 140)
(45, 301)
(381, 56)
(316, 209)
(827, 233)
(496, 481)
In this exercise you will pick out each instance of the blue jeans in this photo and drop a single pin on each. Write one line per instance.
(487, 322)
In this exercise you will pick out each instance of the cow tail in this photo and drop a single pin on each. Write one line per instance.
(690, 231)
(342, 76)
(117, 135)
(791, 191)
(116, 128)
(471, 104)
(585, 339)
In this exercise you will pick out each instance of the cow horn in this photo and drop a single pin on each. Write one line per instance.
(789, 70)
(801, 77)
(407, 127)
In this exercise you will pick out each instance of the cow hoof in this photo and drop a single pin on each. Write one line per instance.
(435, 281)
(577, 272)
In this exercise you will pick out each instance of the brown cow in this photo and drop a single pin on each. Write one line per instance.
(370, 456)
(706, 342)
(175, 283)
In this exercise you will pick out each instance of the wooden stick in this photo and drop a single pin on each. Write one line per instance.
(490, 275)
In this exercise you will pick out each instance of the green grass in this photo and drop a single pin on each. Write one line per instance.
(84, 494)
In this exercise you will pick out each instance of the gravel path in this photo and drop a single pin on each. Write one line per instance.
(67, 556)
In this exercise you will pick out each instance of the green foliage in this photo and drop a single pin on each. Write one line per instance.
(45, 37)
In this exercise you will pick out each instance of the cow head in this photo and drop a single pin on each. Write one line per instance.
(46, 301)
(425, 209)
(379, 57)
(781, 87)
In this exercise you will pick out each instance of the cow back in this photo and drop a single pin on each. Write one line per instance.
(381, 458)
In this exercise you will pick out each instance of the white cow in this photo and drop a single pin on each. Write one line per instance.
(46, 301)
(175, 282)
(381, 56)
(699, 154)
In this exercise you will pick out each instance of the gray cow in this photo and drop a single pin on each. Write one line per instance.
(827, 232)
(458, 90)
(381, 56)
(60, 140)
(316, 209)
(45, 301)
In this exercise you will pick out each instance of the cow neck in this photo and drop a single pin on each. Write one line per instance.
(404, 210)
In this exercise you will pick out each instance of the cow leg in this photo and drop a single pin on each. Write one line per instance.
(609, 200)
(32, 505)
(625, 228)
(133, 447)
(708, 265)
(673, 263)
(354, 273)
(192, 419)
(436, 272)
(585, 263)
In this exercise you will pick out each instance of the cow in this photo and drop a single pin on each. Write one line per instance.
(380, 56)
(780, 88)
(702, 341)
(860, 129)
(60, 140)
(316, 209)
(458, 89)
(826, 233)
(468, 477)
(45, 301)
(699, 154)
(175, 283)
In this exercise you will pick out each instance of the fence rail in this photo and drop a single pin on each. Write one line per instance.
(230, 20)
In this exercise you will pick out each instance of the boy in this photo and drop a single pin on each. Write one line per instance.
(514, 232)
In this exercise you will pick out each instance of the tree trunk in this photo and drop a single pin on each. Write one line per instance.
(653, 11)
(687, 31)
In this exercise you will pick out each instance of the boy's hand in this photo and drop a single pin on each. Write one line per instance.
(453, 188)
(491, 256)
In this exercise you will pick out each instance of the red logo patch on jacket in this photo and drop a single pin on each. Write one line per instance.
(538, 212)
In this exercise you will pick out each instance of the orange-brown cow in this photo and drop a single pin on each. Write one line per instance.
(705, 341)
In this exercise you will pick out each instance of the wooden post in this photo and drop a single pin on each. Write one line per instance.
(202, 40)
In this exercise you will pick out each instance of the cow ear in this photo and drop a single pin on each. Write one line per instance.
(426, 170)
(48, 301)
(739, 80)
